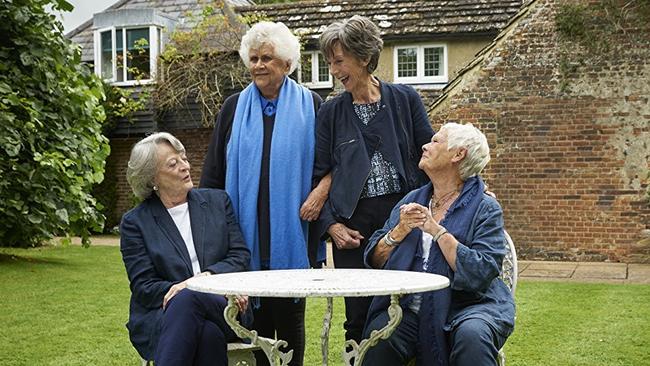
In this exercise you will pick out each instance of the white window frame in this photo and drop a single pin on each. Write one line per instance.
(420, 78)
(315, 84)
(153, 53)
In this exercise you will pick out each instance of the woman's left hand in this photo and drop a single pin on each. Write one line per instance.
(429, 224)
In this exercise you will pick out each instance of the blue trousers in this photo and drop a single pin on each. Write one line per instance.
(400, 347)
(473, 342)
(194, 331)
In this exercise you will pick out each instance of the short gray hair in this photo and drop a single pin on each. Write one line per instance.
(357, 35)
(143, 163)
(286, 45)
(474, 141)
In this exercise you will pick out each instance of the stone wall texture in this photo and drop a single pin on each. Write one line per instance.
(570, 149)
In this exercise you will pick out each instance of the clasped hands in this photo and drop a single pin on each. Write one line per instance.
(242, 301)
(414, 215)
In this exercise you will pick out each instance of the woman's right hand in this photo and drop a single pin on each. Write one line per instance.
(242, 303)
(411, 215)
(175, 289)
(344, 237)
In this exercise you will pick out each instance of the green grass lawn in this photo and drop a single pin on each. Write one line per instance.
(68, 306)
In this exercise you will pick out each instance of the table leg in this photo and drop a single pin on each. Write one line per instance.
(358, 351)
(325, 333)
(270, 348)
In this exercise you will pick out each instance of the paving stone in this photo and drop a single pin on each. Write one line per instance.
(549, 269)
(521, 266)
(610, 271)
(638, 273)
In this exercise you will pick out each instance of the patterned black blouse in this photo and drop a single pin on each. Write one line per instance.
(383, 178)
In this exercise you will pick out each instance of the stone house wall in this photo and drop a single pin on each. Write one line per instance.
(569, 132)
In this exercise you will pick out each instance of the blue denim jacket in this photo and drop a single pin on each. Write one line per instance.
(475, 289)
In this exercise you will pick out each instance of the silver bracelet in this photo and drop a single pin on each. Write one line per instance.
(440, 233)
(390, 241)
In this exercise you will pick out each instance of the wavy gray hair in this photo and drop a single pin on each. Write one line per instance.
(358, 35)
(143, 163)
(285, 44)
(474, 141)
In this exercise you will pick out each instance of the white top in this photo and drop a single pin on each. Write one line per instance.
(181, 216)
(427, 240)
(318, 283)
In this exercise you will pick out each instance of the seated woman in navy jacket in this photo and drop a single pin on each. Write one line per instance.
(452, 228)
(177, 232)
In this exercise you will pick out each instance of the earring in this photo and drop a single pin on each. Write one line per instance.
(155, 188)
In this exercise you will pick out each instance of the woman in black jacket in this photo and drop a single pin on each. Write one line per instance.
(369, 139)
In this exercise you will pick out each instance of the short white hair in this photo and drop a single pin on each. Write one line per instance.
(286, 45)
(143, 163)
(474, 141)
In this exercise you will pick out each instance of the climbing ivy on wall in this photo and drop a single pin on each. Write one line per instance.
(586, 30)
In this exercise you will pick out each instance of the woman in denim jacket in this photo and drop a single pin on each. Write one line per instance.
(452, 228)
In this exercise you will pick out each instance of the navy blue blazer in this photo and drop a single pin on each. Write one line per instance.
(156, 257)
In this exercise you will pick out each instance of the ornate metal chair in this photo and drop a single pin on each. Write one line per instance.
(509, 274)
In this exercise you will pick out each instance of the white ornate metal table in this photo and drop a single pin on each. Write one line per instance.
(318, 283)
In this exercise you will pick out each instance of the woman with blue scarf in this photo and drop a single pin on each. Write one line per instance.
(452, 228)
(262, 154)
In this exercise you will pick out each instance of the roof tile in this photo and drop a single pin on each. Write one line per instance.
(395, 18)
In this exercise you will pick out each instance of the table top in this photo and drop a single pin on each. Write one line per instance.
(318, 283)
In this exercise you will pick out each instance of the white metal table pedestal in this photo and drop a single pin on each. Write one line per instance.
(326, 283)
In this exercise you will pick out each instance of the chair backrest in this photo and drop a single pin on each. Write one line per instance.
(510, 270)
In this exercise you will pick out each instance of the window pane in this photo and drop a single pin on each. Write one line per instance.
(433, 61)
(119, 54)
(137, 43)
(323, 70)
(407, 62)
(107, 55)
(305, 68)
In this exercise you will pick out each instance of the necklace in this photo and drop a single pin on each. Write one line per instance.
(445, 200)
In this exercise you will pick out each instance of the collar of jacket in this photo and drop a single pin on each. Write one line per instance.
(197, 204)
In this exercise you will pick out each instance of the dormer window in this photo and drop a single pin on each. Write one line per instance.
(126, 54)
(126, 50)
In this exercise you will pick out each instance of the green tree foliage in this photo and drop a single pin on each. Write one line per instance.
(51, 147)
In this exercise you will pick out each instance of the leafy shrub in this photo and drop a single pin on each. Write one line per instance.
(51, 147)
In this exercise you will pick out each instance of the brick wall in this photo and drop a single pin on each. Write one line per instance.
(570, 151)
(196, 144)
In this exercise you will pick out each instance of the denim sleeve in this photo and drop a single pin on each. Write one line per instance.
(478, 262)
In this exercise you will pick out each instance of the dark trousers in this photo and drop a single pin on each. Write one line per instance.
(369, 216)
(400, 347)
(193, 331)
(284, 318)
(473, 342)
